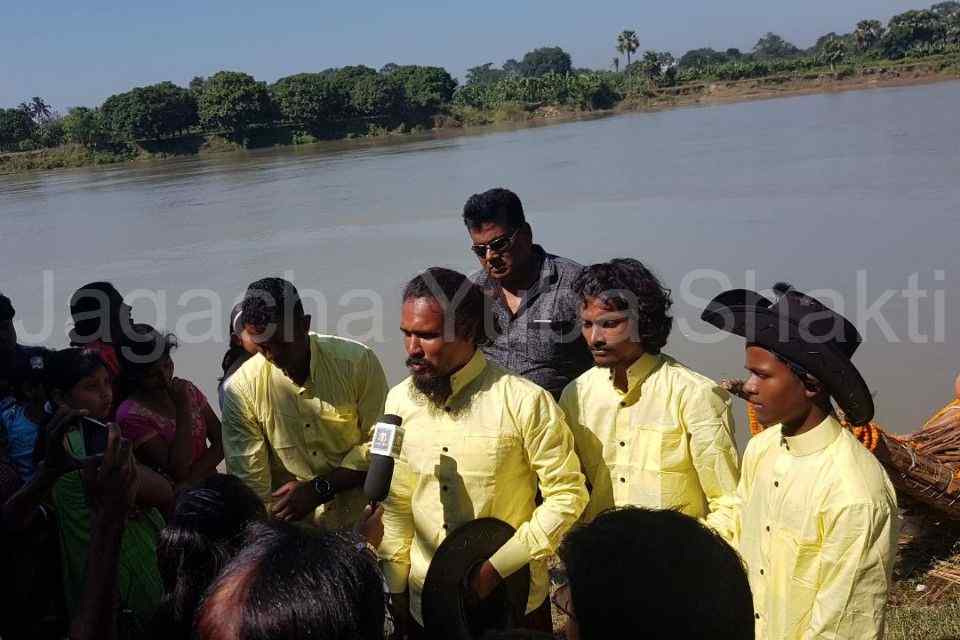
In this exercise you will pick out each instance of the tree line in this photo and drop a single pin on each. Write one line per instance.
(233, 103)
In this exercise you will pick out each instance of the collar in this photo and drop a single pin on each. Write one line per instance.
(638, 372)
(813, 441)
(467, 374)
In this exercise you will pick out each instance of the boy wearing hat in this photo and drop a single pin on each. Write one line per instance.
(817, 520)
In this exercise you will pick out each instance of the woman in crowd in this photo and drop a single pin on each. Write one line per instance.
(79, 383)
(204, 533)
(167, 419)
(290, 583)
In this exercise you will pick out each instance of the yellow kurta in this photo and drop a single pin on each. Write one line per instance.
(818, 531)
(667, 443)
(484, 454)
(275, 431)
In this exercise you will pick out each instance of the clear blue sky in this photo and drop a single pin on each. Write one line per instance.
(78, 53)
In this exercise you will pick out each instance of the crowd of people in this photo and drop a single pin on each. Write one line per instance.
(539, 397)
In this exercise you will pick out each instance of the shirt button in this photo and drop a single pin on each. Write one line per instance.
(623, 404)
(776, 484)
(757, 616)
(445, 450)
(768, 527)
(622, 443)
(623, 479)
(761, 571)
(306, 426)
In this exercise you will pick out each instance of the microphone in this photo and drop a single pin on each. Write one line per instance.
(386, 445)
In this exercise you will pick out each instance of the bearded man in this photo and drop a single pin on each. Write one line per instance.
(479, 442)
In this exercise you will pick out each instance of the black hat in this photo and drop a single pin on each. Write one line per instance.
(447, 609)
(804, 331)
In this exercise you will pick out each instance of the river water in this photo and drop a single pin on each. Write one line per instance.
(854, 196)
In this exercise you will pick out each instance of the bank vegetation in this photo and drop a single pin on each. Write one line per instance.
(232, 109)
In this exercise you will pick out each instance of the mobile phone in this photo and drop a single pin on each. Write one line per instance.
(85, 439)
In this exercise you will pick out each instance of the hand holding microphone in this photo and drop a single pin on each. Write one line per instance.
(385, 447)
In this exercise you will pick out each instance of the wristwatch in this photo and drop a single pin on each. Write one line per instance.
(325, 490)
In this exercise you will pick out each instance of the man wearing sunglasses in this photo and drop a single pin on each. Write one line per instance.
(538, 336)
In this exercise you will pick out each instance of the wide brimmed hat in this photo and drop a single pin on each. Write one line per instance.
(448, 611)
(803, 330)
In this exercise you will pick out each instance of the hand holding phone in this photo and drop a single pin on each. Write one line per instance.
(85, 440)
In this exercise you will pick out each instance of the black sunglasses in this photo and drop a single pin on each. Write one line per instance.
(497, 245)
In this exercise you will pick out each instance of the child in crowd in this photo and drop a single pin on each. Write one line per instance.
(168, 419)
(78, 380)
(21, 419)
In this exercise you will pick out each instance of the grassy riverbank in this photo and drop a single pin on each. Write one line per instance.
(467, 119)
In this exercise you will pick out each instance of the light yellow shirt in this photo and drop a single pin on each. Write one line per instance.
(818, 531)
(497, 438)
(667, 443)
(275, 431)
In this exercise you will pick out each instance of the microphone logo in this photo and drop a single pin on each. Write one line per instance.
(387, 440)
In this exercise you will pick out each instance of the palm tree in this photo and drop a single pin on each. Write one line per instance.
(41, 110)
(628, 43)
(616, 63)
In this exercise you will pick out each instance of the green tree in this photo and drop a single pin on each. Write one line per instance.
(196, 85)
(310, 99)
(16, 125)
(834, 51)
(544, 60)
(50, 132)
(151, 112)
(650, 65)
(425, 89)
(513, 68)
(84, 126)
(388, 68)
(627, 43)
(867, 34)
(376, 96)
(733, 53)
(772, 46)
(910, 29)
(616, 64)
(484, 74)
(946, 9)
(234, 101)
(702, 58)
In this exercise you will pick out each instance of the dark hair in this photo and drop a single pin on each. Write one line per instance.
(292, 583)
(93, 307)
(269, 301)
(205, 532)
(145, 347)
(461, 300)
(65, 368)
(495, 205)
(6, 309)
(626, 284)
(679, 579)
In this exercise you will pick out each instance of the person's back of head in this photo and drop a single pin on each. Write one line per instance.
(290, 583)
(657, 574)
(98, 312)
(206, 530)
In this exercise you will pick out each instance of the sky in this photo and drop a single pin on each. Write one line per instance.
(78, 53)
